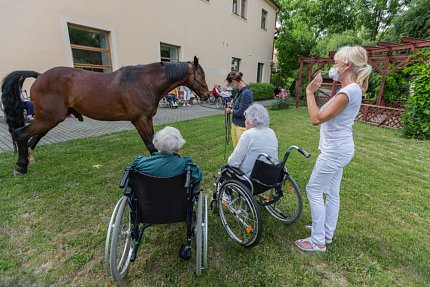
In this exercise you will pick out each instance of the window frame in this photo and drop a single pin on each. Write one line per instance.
(235, 7)
(237, 60)
(164, 59)
(243, 9)
(264, 14)
(260, 72)
(107, 50)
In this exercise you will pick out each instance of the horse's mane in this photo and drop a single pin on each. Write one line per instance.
(175, 70)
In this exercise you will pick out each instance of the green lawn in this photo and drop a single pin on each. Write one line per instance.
(53, 220)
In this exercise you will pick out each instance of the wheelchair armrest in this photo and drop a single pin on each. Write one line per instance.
(125, 177)
(236, 170)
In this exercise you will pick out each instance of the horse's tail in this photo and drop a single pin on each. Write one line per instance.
(13, 107)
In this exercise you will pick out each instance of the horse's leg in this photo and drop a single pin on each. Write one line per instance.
(21, 138)
(32, 145)
(37, 128)
(146, 132)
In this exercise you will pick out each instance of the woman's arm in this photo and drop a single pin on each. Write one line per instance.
(239, 153)
(318, 117)
(246, 101)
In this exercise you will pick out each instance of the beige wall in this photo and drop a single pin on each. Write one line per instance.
(34, 33)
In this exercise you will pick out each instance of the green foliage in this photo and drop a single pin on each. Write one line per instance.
(280, 104)
(414, 22)
(396, 87)
(335, 41)
(416, 118)
(262, 91)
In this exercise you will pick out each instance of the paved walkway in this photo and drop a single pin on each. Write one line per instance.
(72, 129)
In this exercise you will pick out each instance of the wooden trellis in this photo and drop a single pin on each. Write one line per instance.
(385, 58)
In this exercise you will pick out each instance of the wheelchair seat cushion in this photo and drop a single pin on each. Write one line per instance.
(265, 176)
(160, 200)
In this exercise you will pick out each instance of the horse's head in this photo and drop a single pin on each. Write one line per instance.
(197, 81)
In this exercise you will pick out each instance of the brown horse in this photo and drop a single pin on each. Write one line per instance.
(129, 94)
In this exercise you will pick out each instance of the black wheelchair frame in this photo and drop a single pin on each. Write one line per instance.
(140, 205)
(237, 197)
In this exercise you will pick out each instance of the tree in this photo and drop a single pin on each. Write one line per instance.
(415, 22)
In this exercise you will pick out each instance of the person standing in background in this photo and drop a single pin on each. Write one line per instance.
(242, 101)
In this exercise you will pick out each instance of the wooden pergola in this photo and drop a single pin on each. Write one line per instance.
(385, 58)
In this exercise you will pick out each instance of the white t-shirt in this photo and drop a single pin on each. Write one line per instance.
(336, 134)
(251, 143)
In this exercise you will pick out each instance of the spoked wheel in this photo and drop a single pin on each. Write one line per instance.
(109, 236)
(211, 99)
(289, 207)
(239, 213)
(201, 234)
(121, 246)
(218, 103)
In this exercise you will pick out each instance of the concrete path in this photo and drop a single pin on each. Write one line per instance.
(72, 129)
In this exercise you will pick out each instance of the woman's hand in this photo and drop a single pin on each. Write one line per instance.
(315, 84)
(228, 110)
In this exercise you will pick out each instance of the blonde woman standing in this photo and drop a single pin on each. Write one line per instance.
(336, 143)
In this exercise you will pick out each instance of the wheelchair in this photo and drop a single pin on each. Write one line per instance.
(151, 200)
(237, 198)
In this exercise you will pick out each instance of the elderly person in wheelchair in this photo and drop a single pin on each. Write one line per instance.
(159, 189)
(258, 138)
(167, 162)
(254, 177)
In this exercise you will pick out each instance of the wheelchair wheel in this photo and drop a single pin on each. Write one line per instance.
(109, 236)
(289, 207)
(219, 103)
(201, 234)
(239, 213)
(212, 99)
(122, 244)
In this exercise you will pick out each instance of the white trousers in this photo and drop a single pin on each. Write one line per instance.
(326, 177)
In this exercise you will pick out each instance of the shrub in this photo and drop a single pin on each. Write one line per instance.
(280, 104)
(262, 91)
(416, 118)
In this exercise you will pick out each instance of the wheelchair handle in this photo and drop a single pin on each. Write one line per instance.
(124, 177)
(188, 177)
(303, 152)
(269, 158)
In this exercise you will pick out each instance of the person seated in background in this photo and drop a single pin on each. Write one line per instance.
(257, 138)
(172, 97)
(167, 162)
(280, 93)
(226, 94)
(216, 91)
(28, 105)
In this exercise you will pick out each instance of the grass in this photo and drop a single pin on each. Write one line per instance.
(53, 220)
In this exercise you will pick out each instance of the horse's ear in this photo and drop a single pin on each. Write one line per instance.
(196, 61)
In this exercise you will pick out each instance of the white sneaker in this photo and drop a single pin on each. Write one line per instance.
(188, 105)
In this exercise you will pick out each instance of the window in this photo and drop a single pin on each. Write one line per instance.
(169, 53)
(243, 8)
(90, 48)
(263, 18)
(235, 64)
(234, 8)
(260, 67)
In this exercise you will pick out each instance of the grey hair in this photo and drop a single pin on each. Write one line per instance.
(168, 140)
(258, 116)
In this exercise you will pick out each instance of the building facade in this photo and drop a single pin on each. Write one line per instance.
(104, 35)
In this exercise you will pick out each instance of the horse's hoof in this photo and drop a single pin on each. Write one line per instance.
(16, 173)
